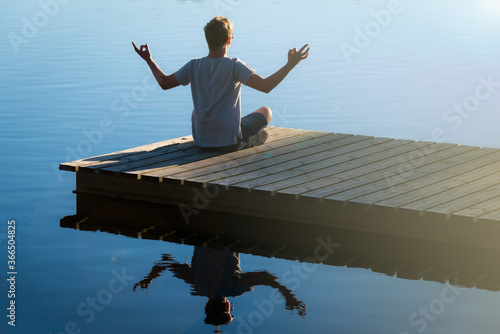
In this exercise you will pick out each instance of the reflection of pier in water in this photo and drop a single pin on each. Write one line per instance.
(407, 258)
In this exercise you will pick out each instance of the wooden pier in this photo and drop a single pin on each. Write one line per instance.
(425, 190)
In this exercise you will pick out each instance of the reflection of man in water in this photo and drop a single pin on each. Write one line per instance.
(216, 274)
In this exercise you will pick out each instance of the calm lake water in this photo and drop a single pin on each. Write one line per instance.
(403, 69)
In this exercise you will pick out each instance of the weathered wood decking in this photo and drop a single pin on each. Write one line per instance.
(426, 190)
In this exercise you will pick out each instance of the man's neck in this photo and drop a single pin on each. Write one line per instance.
(222, 52)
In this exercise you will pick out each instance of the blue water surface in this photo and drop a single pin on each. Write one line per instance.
(71, 87)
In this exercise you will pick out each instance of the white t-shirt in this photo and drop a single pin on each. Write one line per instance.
(215, 86)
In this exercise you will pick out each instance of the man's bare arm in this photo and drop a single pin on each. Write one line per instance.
(267, 279)
(268, 84)
(165, 81)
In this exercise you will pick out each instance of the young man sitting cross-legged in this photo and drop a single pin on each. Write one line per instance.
(216, 84)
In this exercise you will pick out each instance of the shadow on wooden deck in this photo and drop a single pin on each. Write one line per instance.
(178, 154)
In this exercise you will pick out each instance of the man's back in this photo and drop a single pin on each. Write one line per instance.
(215, 86)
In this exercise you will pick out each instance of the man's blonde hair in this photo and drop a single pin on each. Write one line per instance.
(217, 31)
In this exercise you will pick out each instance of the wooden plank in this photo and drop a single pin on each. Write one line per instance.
(250, 163)
(367, 171)
(111, 157)
(480, 209)
(447, 196)
(427, 175)
(157, 168)
(165, 156)
(313, 179)
(170, 151)
(466, 201)
(494, 215)
(238, 158)
(302, 165)
(481, 177)
(382, 180)
(263, 174)
(282, 159)
(174, 153)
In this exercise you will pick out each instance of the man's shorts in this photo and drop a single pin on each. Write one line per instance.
(251, 125)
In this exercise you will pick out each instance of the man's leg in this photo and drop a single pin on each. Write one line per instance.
(252, 126)
(266, 111)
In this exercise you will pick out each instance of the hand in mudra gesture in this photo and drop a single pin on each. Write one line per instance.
(143, 51)
(294, 56)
